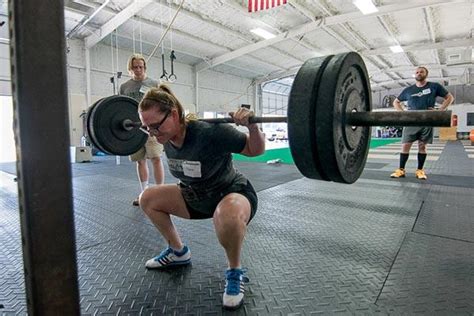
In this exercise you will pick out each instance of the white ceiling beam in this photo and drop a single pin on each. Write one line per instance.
(278, 74)
(294, 70)
(429, 66)
(223, 28)
(185, 52)
(86, 19)
(411, 80)
(187, 35)
(422, 46)
(311, 17)
(311, 26)
(115, 22)
(334, 34)
(391, 33)
(431, 30)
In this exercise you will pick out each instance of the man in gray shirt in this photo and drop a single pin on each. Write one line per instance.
(136, 88)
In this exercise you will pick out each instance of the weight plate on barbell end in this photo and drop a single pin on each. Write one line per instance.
(301, 117)
(88, 116)
(342, 149)
(90, 127)
(105, 125)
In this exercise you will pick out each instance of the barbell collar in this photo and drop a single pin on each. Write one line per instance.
(400, 118)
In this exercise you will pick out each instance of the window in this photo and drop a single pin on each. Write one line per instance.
(470, 119)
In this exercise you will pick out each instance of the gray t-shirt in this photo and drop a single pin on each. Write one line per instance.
(137, 88)
(204, 161)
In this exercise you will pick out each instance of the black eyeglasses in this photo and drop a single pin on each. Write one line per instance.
(153, 129)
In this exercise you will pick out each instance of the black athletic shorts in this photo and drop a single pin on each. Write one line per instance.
(202, 206)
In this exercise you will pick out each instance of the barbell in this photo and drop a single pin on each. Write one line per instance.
(329, 118)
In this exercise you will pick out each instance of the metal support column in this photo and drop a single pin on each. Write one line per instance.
(39, 82)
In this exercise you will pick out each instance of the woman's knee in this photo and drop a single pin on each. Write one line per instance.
(165, 198)
(233, 208)
(146, 200)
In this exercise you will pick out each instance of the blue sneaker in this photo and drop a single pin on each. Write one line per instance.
(234, 288)
(169, 258)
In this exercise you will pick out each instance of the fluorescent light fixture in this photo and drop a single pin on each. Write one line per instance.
(365, 6)
(263, 33)
(396, 49)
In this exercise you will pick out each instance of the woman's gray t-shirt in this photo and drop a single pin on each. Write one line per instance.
(204, 161)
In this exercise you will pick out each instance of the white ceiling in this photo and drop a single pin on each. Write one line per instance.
(216, 34)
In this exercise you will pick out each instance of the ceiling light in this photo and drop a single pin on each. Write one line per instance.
(396, 49)
(262, 33)
(365, 6)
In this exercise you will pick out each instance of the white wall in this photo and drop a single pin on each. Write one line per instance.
(217, 92)
(461, 111)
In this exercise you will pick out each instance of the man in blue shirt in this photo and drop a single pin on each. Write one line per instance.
(420, 96)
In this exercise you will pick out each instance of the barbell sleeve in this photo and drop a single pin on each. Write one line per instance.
(128, 124)
(400, 118)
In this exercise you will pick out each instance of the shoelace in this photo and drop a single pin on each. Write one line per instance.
(164, 253)
(234, 277)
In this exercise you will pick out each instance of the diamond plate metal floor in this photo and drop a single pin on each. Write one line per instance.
(380, 246)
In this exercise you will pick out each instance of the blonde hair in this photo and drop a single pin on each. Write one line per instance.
(132, 58)
(164, 99)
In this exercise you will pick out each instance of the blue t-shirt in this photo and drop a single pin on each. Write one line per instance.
(422, 98)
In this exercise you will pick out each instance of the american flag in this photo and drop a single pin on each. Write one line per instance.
(257, 5)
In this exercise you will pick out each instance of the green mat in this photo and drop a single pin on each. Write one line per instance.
(284, 154)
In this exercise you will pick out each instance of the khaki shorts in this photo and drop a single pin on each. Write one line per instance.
(152, 149)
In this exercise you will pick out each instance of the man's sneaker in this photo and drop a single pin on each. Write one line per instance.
(135, 202)
(399, 173)
(169, 258)
(420, 174)
(234, 288)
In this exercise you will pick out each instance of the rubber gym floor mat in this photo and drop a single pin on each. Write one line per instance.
(313, 247)
(445, 214)
(431, 276)
(261, 175)
(344, 244)
(454, 160)
(12, 288)
(433, 179)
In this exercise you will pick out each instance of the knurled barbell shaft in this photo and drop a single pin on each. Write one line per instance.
(254, 119)
(128, 124)
(384, 118)
(400, 118)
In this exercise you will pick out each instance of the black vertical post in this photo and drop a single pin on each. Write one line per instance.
(39, 86)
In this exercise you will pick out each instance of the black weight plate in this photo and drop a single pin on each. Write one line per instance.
(342, 149)
(88, 116)
(105, 126)
(301, 116)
